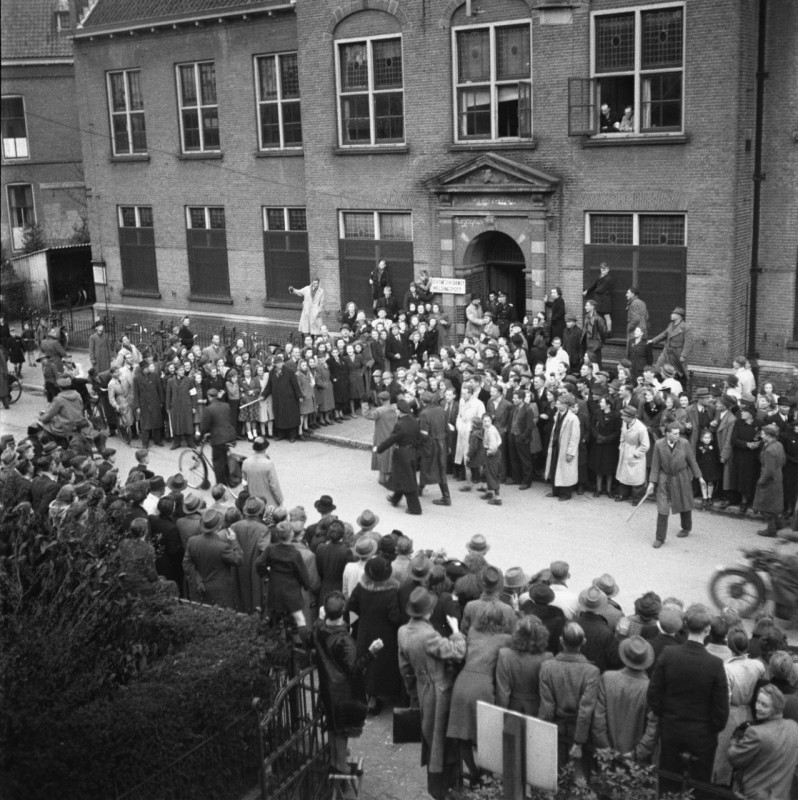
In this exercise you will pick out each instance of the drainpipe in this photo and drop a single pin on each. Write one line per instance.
(761, 77)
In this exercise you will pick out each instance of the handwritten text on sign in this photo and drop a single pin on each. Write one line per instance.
(448, 285)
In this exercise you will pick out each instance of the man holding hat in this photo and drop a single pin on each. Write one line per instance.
(621, 720)
(405, 436)
(634, 444)
(209, 561)
(678, 338)
(260, 475)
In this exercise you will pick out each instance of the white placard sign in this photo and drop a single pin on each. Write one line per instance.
(447, 285)
(540, 746)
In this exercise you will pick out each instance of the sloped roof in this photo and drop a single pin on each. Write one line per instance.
(28, 30)
(119, 13)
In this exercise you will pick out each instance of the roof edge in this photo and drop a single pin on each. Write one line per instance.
(130, 27)
(36, 62)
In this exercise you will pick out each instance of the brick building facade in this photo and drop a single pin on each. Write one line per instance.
(42, 171)
(234, 150)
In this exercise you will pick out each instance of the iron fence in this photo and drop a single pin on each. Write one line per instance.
(80, 326)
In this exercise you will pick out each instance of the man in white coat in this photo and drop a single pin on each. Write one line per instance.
(562, 466)
(312, 317)
(631, 471)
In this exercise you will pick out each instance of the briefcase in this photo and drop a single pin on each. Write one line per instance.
(406, 725)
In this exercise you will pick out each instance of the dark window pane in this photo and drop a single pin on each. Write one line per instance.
(128, 214)
(267, 78)
(135, 97)
(139, 133)
(396, 227)
(138, 260)
(191, 136)
(275, 219)
(662, 38)
(297, 219)
(207, 262)
(611, 229)
(270, 125)
(358, 225)
(289, 75)
(207, 74)
(661, 229)
(473, 56)
(354, 67)
(387, 63)
(389, 122)
(197, 217)
(662, 101)
(355, 118)
(292, 124)
(615, 42)
(217, 218)
(117, 81)
(507, 123)
(474, 113)
(512, 52)
(210, 128)
(121, 141)
(145, 216)
(188, 89)
(286, 262)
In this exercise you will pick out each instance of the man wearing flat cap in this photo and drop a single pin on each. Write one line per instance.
(678, 338)
(405, 436)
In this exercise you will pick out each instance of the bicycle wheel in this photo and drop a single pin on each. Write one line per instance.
(739, 589)
(15, 389)
(194, 469)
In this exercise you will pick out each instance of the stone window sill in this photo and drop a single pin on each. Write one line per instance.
(521, 144)
(209, 298)
(630, 140)
(141, 293)
(200, 156)
(372, 150)
(295, 153)
(132, 158)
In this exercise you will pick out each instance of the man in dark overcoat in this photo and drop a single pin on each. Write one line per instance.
(403, 470)
(673, 468)
(432, 427)
(769, 497)
(690, 695)
(217, 424)
(148, 399)
(286, 397)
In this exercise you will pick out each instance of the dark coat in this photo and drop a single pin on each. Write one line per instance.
(216, 422)
(169, 549)
(331, 558)
(572, 344)
(769, 498)
(403, 470)
(553, 617)
(341, 679)
(178, 405)
(601, 646)
(432, 426)
(287, 577)
(148, 398)
(557, 321)
(377, 605)
(605, 433)
(210, 560)
(689, 693)
(601, 289)
(286, 397)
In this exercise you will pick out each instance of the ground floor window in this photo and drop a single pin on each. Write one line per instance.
(364, 238)
(206, 245)
(137, 249)
(285, 250)
(648, 251)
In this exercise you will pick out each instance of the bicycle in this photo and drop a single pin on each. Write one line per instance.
(196, 467)
(14, 389)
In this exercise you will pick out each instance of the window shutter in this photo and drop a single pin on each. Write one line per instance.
(582, 116)
(287, 262)
(525, 109)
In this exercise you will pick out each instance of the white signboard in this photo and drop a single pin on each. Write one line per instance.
(540, 747)
(447, 285)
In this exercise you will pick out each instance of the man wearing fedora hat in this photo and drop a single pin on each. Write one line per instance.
(209, 561)
(678, 338)
(368, 522)
(700, 414)
(190, 523)
(612, 611)
(260, 475)
(601, 647)
(634, 444)
(325, 506)
(253, 538)
(622, 720)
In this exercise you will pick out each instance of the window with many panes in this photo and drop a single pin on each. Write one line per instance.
(371, 91)
(199, 110)
(637, 74)
(14, 128)
(285, 250)
(364, 238)
(493, 82)
(21, 211)
(126, 103)
(137, 249)
(206, 239)
(644, 250)
(277, 86)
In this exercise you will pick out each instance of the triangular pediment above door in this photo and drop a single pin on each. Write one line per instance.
(492, 173)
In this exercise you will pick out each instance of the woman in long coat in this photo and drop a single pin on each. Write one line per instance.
(745, 459)
(376, 602)
(470, 408)
(307, 388)
(486, 637)
(178, 405)
(605, 432)
(339, 375)
(769, 498)
(284, 391)
(354, 371)
(325, 399)
(384, 418)
(518, 667)
(425, 659)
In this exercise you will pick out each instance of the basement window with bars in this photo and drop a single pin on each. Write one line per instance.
(285, 250)
(206, 245)
(137, 249)
(637, 75)
(648, 251)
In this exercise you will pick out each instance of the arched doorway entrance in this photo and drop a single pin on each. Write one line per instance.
(502, 266)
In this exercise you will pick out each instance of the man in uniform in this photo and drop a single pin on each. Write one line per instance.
(403, 470)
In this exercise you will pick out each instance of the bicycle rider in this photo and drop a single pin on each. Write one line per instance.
(217, 427)
(61, 418)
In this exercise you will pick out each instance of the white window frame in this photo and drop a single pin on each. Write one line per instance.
(11, 220)
(371, 91)
(637, 72)
(127, 113)
(137, 212)
(199, 106)
(377, 228)
(286, 219)
(26, 139)
(493, 83)
(278, 101)
(207, 211)
(635, 223)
